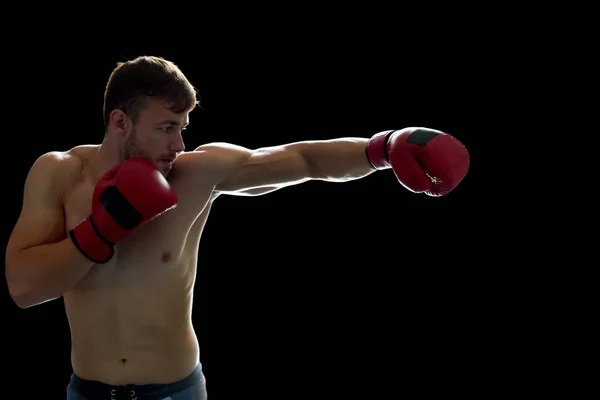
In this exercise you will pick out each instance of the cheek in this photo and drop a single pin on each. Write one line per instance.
(153, 139)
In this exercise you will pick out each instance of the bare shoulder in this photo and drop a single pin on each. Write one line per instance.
(41, 219)
(53, 171)
(58, 164)
(218, 159)
(56, 161)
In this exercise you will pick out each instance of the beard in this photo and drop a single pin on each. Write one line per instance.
(131, 148)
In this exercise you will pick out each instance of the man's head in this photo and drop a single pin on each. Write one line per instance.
(146, 106)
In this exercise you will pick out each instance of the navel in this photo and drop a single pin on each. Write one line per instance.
(166, 256)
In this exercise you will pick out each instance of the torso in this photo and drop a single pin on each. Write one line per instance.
(130, 318)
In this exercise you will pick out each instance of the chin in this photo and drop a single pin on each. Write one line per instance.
(164, 171)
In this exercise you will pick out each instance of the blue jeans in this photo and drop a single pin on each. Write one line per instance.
(191, 388)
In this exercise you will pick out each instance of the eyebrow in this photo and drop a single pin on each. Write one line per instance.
(172, 122)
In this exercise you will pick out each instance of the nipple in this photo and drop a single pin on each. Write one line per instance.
(166, 256)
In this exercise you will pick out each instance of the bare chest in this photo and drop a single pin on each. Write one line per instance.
(161, 249)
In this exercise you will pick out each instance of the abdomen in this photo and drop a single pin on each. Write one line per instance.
(133, 329)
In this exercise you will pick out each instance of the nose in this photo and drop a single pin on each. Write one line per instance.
(178, 145)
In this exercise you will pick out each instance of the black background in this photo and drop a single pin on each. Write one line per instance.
(322, 290)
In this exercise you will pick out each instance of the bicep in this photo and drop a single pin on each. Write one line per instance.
(272, 167)
(256, 191)
(41, 219)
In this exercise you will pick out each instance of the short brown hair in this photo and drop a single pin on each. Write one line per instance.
(131, 82)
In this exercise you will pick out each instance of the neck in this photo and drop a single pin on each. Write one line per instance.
(107, 155)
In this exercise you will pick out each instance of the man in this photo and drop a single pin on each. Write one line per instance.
(114, 228)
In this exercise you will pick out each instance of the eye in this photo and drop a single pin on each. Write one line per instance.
(167, 129)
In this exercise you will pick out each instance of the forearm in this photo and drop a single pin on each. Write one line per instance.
(337, 160)
(42, 273)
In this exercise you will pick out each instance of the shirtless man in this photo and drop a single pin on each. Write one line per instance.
(114, 228)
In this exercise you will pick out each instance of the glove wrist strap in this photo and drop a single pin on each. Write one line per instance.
(376, 150)
(90, 243)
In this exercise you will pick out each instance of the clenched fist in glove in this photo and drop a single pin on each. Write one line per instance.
(125, 198)
(424, 160)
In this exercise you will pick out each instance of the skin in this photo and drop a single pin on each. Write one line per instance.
(130, 318)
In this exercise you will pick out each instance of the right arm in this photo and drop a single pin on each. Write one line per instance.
(42, 263)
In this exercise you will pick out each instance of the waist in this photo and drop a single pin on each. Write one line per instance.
(117, 360)
(91, 389)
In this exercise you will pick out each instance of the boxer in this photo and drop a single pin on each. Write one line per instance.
(114, 228)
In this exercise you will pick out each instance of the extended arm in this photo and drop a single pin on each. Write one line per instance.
(424, 161)
(254, 172)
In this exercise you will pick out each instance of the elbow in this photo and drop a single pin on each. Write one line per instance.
(20, 292)
(21, 302)
(21, 298)
(306, 164)
(24, 295)
(319, 171)
(19, 295)
(314, 171)
(317, 174)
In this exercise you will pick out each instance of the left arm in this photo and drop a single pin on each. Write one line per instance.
(255, 172)
(424, 160)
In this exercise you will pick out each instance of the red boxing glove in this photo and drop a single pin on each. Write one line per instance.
(126, 197)
(424, 160)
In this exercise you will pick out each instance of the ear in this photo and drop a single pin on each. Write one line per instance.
(118, 121)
